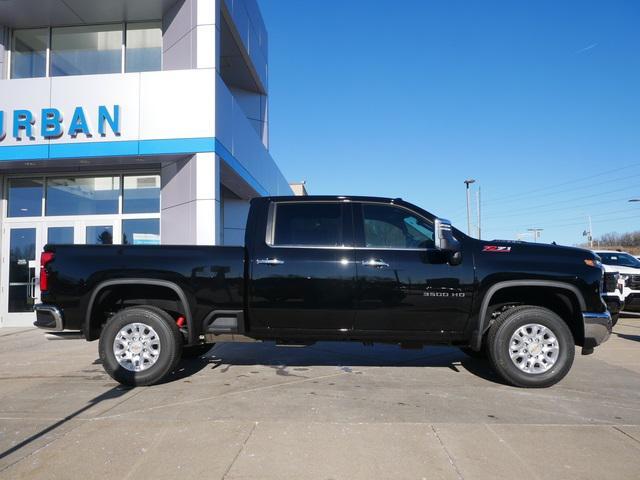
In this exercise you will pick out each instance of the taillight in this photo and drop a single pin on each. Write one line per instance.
(45, 258)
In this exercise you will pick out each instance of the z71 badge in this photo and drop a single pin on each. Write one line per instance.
(496, 248)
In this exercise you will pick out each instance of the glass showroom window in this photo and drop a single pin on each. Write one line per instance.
(83, 196)
(29, 53)
(86, 50)
(141, 194)
(144, 47)
(141, 231)
(25, 197)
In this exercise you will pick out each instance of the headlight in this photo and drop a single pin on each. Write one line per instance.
(593, 263)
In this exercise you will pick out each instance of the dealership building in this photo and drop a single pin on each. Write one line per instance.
(128, 122)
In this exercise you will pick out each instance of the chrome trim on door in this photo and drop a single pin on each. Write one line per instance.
(269, 261)
(376, 263)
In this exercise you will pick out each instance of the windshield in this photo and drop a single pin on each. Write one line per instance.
(620, 259)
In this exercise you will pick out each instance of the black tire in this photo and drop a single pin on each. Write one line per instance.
(482, 354)
(169, 337)
(614, 319)
(199, 350)
(498, 346)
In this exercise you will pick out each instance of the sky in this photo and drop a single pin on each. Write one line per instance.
(539, 101)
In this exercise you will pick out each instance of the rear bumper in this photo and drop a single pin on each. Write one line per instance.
(48, 317)
(597, 328)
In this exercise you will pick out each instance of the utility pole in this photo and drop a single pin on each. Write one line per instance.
(467, 183)
(589, 233)
(478, 211)
(536, 233)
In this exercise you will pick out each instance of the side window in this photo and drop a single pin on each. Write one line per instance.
(386, 226)
(308, 224)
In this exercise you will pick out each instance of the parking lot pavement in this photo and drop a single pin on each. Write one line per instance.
(327, 411)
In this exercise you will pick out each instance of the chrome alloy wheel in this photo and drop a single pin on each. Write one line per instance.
(534, 348)
(136, 347)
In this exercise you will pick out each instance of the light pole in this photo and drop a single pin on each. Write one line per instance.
(467, 183)
(478, 210)
(536, 233)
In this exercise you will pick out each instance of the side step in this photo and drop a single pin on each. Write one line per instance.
(225, 326)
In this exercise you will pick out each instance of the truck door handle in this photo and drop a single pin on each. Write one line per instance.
(376, 263)
(269, 261)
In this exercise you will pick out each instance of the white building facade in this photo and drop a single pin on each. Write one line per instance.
(127, 122)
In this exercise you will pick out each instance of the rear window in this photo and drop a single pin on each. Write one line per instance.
(308, 224)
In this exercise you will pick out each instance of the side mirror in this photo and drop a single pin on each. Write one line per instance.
(446, 242)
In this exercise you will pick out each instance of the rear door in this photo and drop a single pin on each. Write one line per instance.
(403, 282)
(303, 272)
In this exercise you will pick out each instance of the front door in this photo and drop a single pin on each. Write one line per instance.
(20, 272)
(21, 260)
(403, 282)
(303, 276)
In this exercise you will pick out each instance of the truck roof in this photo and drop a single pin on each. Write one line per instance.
(355, 198)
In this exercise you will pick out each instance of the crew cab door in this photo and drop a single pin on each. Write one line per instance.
(404, 283)
(303, 271)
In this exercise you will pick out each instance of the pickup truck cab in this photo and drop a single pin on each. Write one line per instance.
(337, 268)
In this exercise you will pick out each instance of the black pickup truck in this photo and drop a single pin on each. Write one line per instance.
(318, 268)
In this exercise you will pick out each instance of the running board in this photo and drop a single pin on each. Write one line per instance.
(228, 338)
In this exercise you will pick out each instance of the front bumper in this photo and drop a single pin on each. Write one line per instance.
(614, 304)
(632, 301)
(48, 317)
(597, 328)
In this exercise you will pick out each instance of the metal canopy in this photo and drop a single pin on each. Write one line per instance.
(36, 13)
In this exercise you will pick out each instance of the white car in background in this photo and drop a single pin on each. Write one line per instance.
(628, 267)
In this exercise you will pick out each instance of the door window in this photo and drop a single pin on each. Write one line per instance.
(386, 226)
(308, 224)
(22, 254)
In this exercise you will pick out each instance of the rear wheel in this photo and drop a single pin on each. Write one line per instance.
(140, 345)
(530, 346)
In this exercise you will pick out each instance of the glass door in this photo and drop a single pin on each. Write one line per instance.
(20, 274)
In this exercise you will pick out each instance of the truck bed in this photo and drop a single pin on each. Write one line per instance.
(209, 277)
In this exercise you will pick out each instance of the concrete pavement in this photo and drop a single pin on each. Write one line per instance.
(330, 411)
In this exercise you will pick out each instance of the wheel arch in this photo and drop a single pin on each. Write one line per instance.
(570, 292)
(89, 327)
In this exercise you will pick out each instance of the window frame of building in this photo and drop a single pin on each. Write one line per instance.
(123, 46)
(80, 221)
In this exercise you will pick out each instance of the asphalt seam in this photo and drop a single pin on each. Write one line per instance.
(240, 450)
(446, 451)
(626, 434)
(513, 452)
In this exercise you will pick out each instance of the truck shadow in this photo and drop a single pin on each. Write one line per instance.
(111, 394)
(291, 361)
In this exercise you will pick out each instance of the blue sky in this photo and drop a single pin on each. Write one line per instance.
(537, 100)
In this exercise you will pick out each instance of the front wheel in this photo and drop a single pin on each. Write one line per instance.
(140, 345)
(530, 347)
